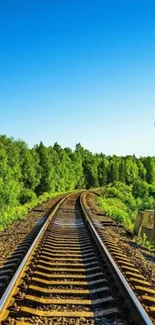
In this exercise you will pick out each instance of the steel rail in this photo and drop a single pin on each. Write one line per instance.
(144, 317)
(5, 297)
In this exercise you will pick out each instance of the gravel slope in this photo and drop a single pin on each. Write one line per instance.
(15, 233)
(142, 258)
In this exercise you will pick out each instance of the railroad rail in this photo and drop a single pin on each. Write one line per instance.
(71, 273)
(9, 267)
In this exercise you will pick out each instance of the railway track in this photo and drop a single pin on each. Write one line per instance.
(17, 254)
(64, 277)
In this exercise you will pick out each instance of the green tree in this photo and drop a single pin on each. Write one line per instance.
(131, 170)
(149, 163)
(122, 171)
(46, 169)
(113, 174)
(103, 166)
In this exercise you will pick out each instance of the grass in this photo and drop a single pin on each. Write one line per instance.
(144, 242)
(119, 204)
(118, 211)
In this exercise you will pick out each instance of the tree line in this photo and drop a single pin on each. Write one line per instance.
(27, 173)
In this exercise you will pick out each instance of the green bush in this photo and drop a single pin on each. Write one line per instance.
(144, 203)
(118, 203)
(143, 241)
(122, 187)
(125, 196)
(122, 202)
(117, 210)
(151, 190)
(26, 196)
(140, 189)
(10, 214)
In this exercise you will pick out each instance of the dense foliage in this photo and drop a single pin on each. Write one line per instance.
(117, 202)
(25, 174)
(122, 202)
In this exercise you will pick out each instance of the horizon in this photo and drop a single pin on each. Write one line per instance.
(79, 73)
(73, 148)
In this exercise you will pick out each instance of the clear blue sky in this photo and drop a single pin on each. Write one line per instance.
(79, 71)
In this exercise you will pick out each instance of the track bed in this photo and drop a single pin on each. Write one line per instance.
(65, 279)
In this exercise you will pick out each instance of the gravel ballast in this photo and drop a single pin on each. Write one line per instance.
(143, 259)
(13, 235)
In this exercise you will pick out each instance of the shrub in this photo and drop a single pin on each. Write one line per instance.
(146, 202)
(140, 189)
(125, 197)
(10, 214)
(27, 196)
(118, 203)
(143, 241)
(117, 210)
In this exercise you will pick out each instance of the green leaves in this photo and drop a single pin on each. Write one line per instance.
(117, 210)
(26, 174)
(143, 241)
(119, 204)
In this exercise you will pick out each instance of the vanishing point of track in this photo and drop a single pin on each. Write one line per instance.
(73, 274)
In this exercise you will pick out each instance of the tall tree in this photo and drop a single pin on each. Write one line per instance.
(46, 169)
(103, 166)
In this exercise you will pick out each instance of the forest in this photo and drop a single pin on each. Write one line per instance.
(29, 176)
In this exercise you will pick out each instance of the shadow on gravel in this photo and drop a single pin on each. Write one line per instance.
(149, 257)
(144, 251)
(131, 243)
(8, 269)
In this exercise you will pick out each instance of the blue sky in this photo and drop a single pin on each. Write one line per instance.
(79, 71)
